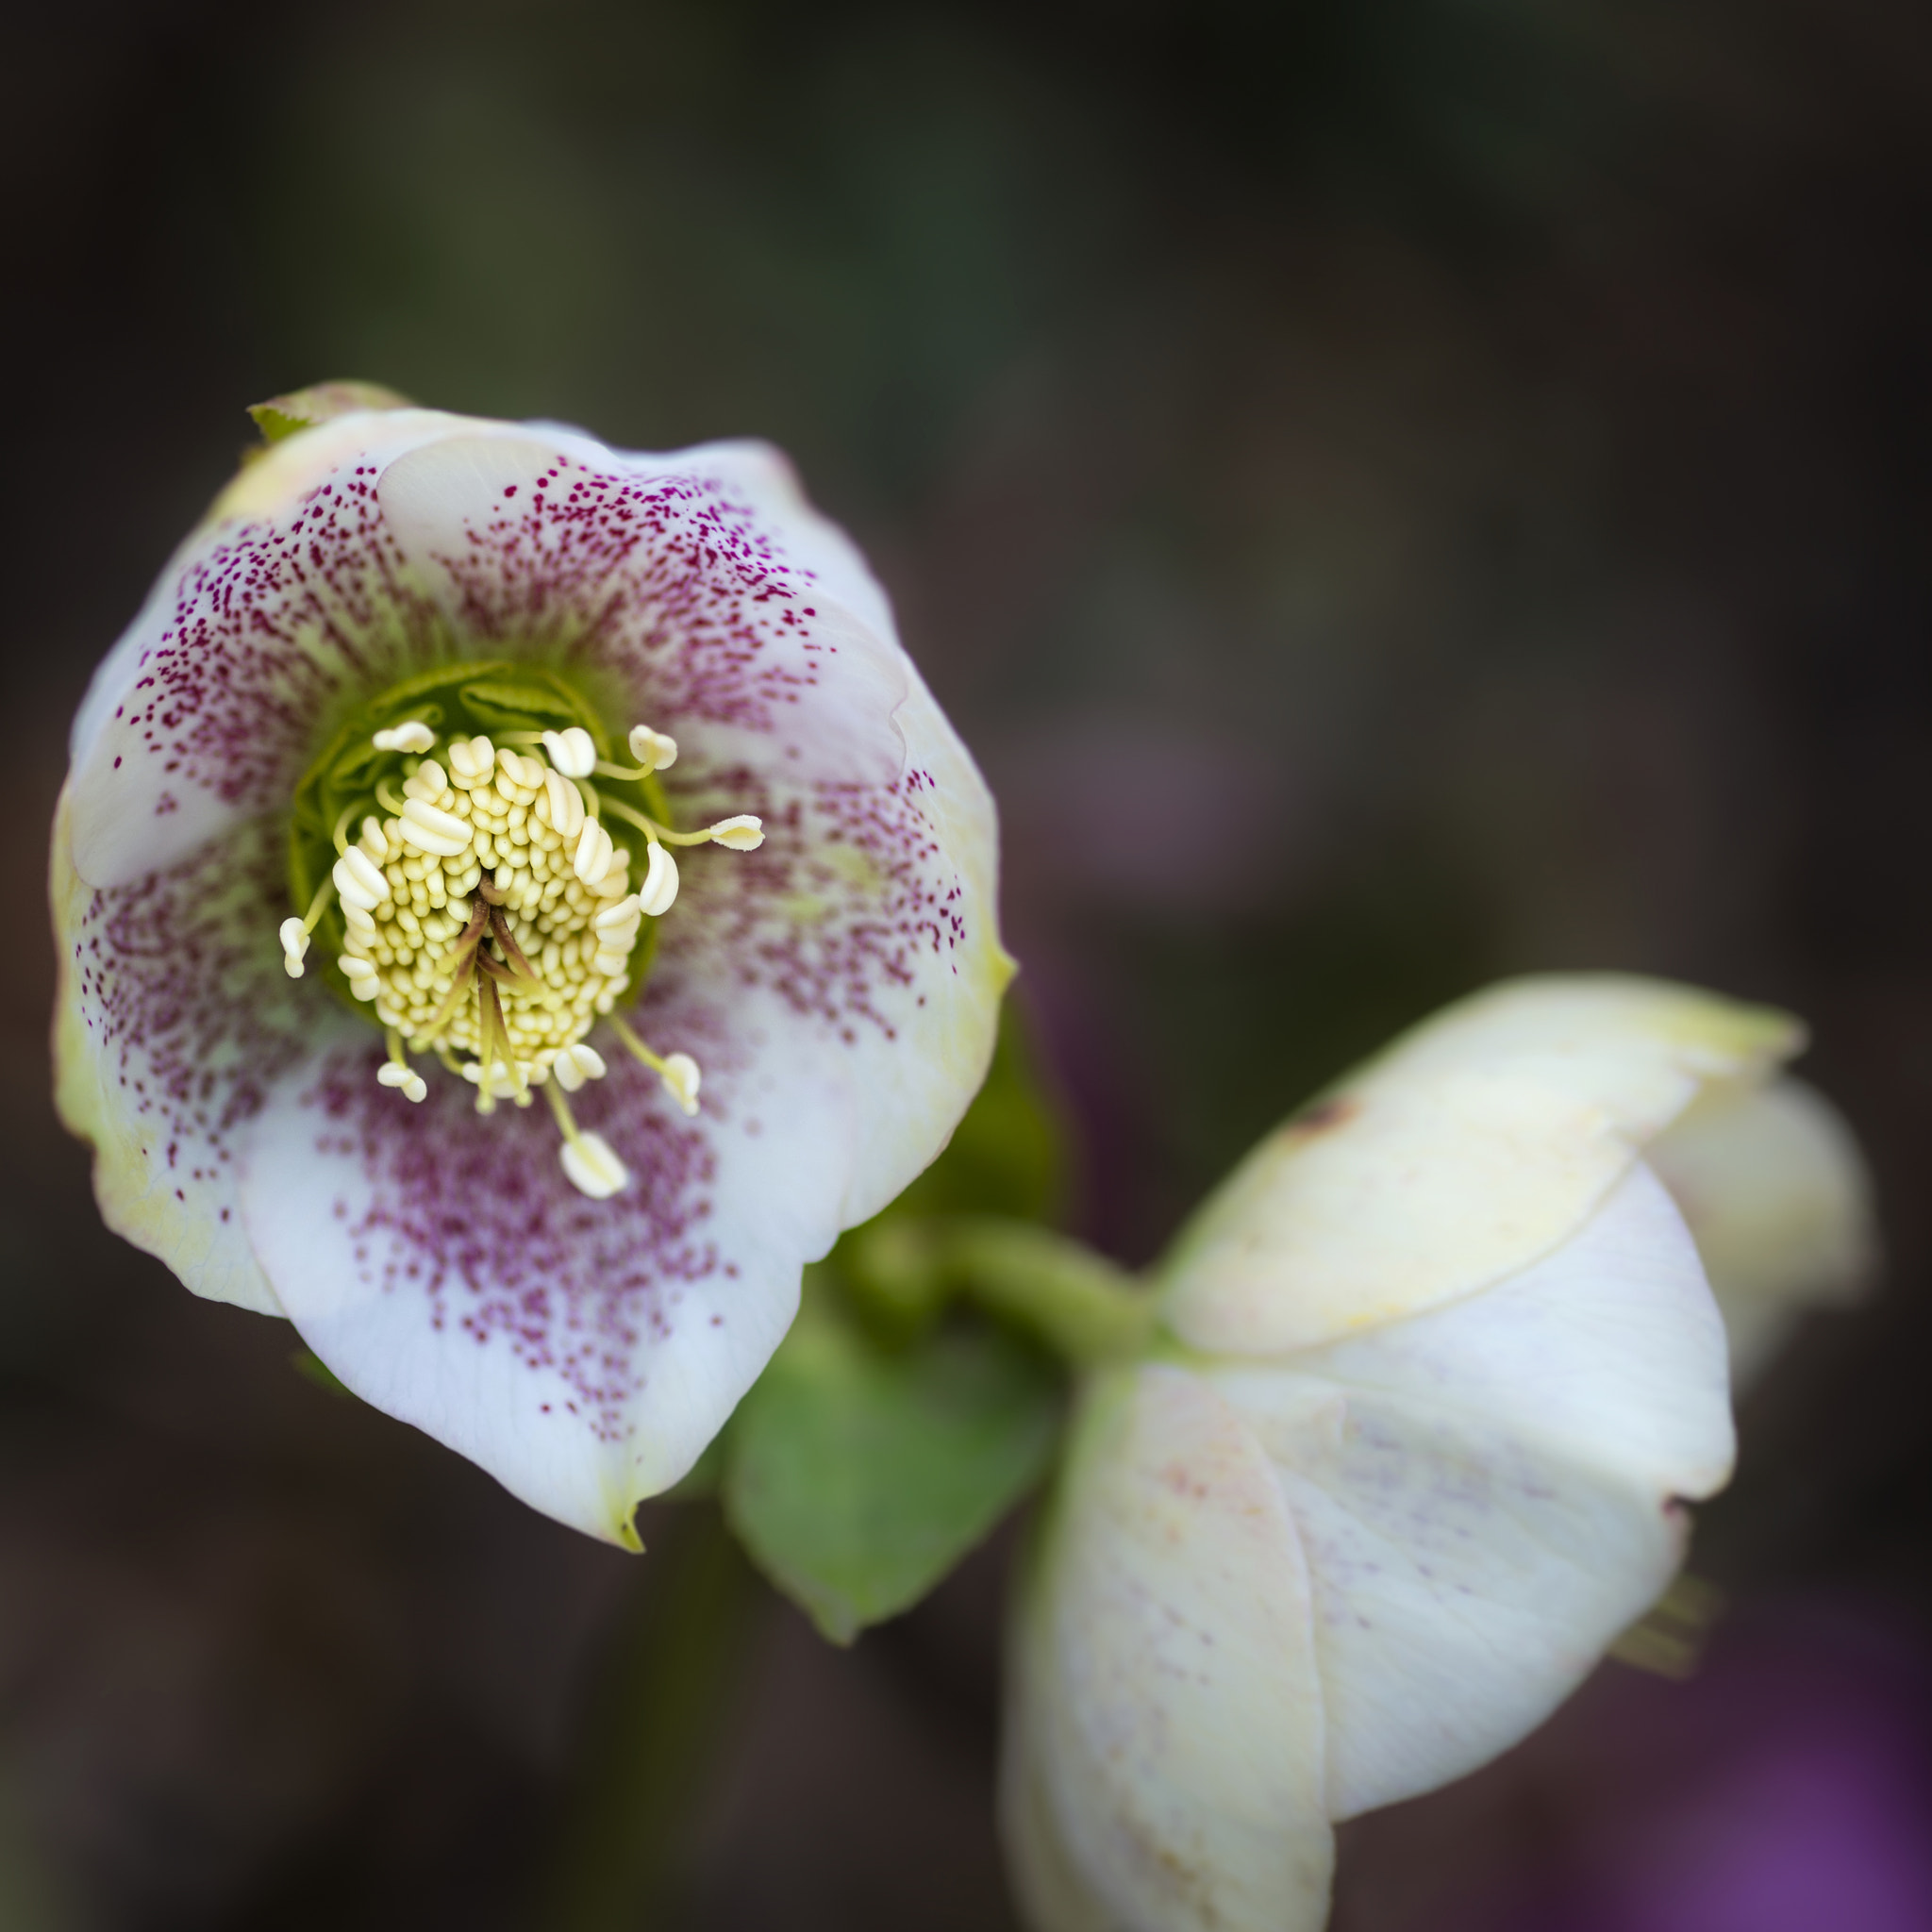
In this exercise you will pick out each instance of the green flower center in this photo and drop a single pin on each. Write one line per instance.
(488, 883)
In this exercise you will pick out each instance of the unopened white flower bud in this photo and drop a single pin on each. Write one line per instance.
(572, 751)
(294, 937)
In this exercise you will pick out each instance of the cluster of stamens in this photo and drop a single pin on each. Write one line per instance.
(490, 918)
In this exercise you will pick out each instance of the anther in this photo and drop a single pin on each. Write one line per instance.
(471, 759)
(526, 773)
(428, 780)
(572, 751)
(680, 1076)
(361, 975)
(592, 1166)
(593, 854)
(742, 833)
(358, 880)
(430, 829)
(576, 1064)
(660, 887)
(566, 804)
(653, 750)
(412, 736)
(393, 1073)
(372, 840)
(677, 1071)
(294, 937)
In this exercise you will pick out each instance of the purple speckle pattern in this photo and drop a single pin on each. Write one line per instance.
(850, 920)
(178, 999)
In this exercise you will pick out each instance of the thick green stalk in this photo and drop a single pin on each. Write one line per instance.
(657, 1714)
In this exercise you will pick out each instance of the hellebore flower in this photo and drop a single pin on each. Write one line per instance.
(379, 826)
(1442, 1368)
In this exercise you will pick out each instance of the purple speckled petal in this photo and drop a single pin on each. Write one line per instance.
(173, 1022)
(839, 987)
(287, 600)
(583, 1352)
(703, 582)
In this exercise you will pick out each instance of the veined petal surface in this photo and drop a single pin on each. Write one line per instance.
(1490, 1491)
(1164, 1767)
(1475, 1143)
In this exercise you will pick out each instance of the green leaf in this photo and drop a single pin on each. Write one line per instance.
(859, 1476)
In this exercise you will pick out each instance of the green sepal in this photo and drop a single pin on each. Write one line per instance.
(282, 417)
(858, 1475)
(312, 1368)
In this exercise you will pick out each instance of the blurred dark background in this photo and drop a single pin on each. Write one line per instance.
(1394, 491)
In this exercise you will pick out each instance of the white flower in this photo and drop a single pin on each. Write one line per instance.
(387, 696)
(1443, 1371)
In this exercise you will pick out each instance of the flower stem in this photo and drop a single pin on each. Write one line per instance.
(1077, 1301)
(658, 1707)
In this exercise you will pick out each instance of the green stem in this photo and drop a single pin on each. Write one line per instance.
(1079, 1304)
(658, 1709)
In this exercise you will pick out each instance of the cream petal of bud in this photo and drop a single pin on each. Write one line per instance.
(660, 889)
(412, 736)
(566, 804)
(592, 1166)
(572, 751)
(742, 833)
(653, 749)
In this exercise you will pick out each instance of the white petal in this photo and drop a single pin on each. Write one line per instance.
(1776, 1195)
(583, 1352)
(289, 594)
(1487, 1493)
(871, 917)
(173, 1022)
(1475, 1143)
(1164, 1755)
